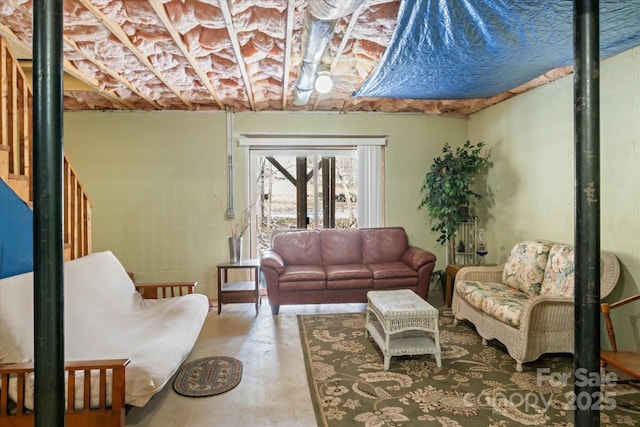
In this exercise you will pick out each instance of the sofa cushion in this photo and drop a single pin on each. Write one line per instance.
(303, 285)
(495, 299)
(393, 275)
(350, 284)
(524, 270)
(506, 306)
(299, 247)
(476, 292)
(385, 244)
(341, 246)
(347, 271)
(390, 270)
(559, 275)
(297, 273)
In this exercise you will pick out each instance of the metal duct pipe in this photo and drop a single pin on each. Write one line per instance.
(317, 32)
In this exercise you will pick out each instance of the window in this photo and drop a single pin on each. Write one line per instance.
(314, 182)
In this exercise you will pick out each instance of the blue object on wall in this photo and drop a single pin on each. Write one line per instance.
(460, 49)
(16, 233)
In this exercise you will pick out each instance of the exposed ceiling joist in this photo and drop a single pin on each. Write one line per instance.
(19, 48)
(73, 71)
(124, 38)
(105, 69)
(233, 36)
(67, 66)
(343, 43)
(291, 8)
(160, 10)
(347, 34)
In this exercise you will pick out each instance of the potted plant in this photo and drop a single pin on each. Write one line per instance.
(446, 191)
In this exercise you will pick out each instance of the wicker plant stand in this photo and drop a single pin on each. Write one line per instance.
(402, 324)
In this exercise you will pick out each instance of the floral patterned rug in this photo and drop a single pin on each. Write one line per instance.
(476, 385)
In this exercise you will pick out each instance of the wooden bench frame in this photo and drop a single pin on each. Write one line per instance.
(101, 416)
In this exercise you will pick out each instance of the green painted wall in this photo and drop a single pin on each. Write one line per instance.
(152, 176)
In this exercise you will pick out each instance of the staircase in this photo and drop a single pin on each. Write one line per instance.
(16, 155)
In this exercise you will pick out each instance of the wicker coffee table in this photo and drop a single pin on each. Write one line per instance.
(402, 324)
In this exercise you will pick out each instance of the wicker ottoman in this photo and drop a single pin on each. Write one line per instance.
(402, 324)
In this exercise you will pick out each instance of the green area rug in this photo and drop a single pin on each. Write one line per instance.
(476, 385)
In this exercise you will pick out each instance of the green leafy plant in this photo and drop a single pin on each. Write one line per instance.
(446, 192)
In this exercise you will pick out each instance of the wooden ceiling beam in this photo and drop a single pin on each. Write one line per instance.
(124, 38)
(16, 43)
(73, 71)
(107, 70)
(67, 67)
(233, 36)
(160, 10)
(291, 9)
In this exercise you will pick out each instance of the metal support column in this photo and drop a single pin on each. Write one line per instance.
(587, 209)
(48, 244)
(301, 192)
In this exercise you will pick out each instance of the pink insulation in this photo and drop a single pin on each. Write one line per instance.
(133, 59)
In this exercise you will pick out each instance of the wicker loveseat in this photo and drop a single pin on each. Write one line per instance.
(527, 303)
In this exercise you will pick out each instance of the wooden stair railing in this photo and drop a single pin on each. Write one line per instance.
(16, 155)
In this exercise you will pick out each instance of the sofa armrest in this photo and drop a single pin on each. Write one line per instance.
(477, 273)
(272, 259)
(416, 257)
(165, 290)
(547, 313)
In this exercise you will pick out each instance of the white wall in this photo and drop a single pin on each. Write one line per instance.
(152, 175)
(532, 178)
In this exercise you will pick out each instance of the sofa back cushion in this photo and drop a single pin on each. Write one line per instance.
(298, 247)
(341, 246)
(559, 276)
(385, 244)
(524, 270)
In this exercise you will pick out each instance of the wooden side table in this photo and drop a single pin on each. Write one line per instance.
(450, 277)
(239, 292)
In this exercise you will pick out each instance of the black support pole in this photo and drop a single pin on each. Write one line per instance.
(47, 214)
(587, 211)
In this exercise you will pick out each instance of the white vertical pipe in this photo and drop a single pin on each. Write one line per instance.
(230, 213)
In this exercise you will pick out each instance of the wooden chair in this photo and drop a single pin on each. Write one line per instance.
(624, 361)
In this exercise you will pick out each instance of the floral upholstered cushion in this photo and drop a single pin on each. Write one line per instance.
(476, 292)
(495, 299)
(506, 307)
(524, 270)
(559, 276)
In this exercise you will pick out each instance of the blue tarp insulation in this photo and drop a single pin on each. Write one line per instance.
(459, 49)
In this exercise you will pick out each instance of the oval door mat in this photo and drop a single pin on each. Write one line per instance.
(208, 376)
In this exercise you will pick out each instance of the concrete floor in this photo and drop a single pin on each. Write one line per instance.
(273, 390)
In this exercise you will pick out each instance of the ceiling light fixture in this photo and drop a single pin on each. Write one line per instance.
(323, 82)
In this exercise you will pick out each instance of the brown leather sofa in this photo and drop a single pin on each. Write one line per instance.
(342, 265)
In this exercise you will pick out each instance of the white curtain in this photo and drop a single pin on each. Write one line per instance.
(370, 186)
